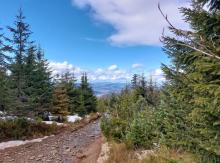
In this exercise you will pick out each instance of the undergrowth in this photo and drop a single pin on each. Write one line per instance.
(119, 153)
(22, 128)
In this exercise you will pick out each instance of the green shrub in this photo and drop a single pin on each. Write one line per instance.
(39, 119)
(142, 131)
(133, 123)
(114, 128)
(22, 128)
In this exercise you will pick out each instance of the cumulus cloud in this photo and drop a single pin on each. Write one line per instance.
(113, 67)
(63, 67)
(136, 22)
(158, 75)
(137, 65)
(158, 72)
(112, 73)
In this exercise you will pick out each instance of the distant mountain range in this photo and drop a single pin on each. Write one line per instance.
(105, 88)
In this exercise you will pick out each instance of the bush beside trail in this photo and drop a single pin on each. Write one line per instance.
(21, 128)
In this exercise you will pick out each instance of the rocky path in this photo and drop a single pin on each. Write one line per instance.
(68, 147)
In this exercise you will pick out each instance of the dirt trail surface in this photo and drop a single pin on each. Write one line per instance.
(80, 146)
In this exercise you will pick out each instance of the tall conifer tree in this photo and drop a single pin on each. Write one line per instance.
(192, 95)
(88, 100)
(42, 82)
(20, 41)
(134, 81)
(60, 101)
(4, 87)
(73, 92)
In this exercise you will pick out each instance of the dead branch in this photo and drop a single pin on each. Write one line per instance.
(198, 50)
(187, 35)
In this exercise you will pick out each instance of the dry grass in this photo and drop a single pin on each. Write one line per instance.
(165, 155)
(120, 154)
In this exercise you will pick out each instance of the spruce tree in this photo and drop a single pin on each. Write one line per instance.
(139, 87)
(42, 83)
(81, 110)
(30, 73)
(142, 86)
(4, 59)
(3, 90)
(20, 41)
(4, 87)
(60, 101)
(38, 85)
(192, 94)
(87, 98)
(134, 81)
(72, 91)
(152, 93)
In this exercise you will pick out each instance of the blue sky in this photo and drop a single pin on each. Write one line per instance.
(109, 39)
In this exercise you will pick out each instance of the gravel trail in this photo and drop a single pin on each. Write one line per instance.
(67, 147)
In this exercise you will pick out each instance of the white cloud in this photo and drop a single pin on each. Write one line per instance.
(112, 73)
(63, 67)
(137, 65)
(158, 75)
(99, 70)
(158, 72)
(136, 22)
(113, 67)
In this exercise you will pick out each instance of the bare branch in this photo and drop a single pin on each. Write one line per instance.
(198, 50)
(179, 31)
(187, 34)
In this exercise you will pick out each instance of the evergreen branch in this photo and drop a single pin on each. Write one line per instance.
(172, 27)
(186, 35)
(198, 50)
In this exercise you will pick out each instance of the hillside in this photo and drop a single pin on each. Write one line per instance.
(105, 88)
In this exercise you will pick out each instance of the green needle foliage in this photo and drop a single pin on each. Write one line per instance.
(81, 99)
(191, 102)
(60, 101)
(88, 101)
(185, 113)
(4, 79)
(27, 87)
(21, 38)
(130, 116)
